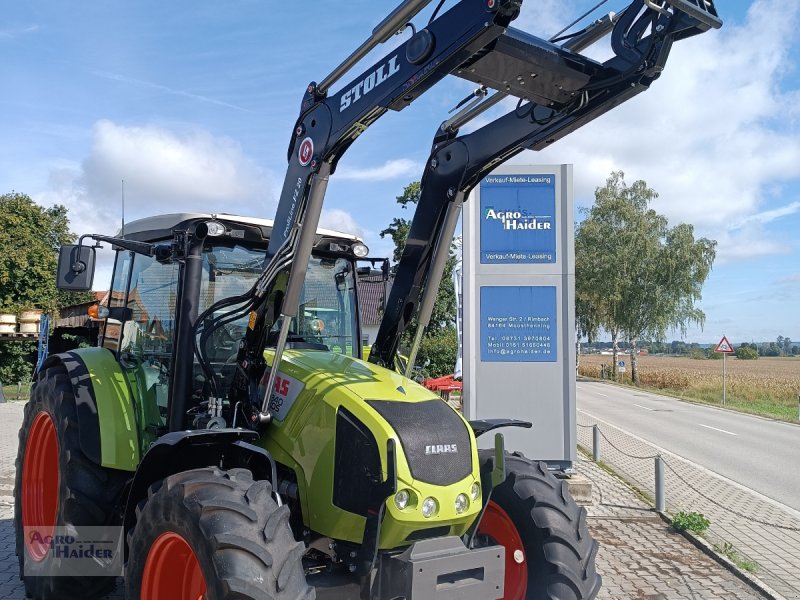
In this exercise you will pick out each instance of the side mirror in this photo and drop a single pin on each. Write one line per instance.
(75, 268)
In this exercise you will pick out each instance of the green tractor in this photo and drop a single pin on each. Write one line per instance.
(228, 428)
(359, 470)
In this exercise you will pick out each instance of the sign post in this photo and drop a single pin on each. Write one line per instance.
(725, 348)
(519, 308)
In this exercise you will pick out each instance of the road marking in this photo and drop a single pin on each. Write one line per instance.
(777, 504)
(717, 429)
(644, 407)
(603, 395)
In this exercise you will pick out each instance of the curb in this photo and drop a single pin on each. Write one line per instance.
(700, 543)
(708, 549)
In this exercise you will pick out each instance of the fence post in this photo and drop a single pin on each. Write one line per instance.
(660, 501)
(595, 443)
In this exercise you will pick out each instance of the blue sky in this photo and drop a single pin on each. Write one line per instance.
(192, 103)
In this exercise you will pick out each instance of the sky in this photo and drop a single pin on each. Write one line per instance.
(193, 104)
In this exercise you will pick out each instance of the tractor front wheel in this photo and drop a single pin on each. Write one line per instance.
(549, 552)
(58, 486)
(216, 535)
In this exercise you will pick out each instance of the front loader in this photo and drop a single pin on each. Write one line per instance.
(228, 426)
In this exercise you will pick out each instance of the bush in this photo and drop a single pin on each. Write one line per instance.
(692, 521)
(746, 353)
(697, 354)
(440, 348)
(17, 360)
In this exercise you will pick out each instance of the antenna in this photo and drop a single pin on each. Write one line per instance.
(122, 233)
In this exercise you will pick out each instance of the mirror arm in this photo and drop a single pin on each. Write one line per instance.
(137, 247)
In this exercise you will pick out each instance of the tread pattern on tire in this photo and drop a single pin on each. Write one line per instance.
(559, 548)
(240, 536)
(88, 493)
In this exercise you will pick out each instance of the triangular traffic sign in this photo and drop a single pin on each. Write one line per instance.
(724, 346)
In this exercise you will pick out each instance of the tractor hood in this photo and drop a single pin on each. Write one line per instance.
(363, 379)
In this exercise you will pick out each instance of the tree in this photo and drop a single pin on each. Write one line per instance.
(644, 276)
(746, 352)
(30, 236)
(785, 344)
(443, 316)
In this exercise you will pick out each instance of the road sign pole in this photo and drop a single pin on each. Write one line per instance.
(724, 377)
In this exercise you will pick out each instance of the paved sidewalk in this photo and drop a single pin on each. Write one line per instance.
(639, 557)
(759, 528)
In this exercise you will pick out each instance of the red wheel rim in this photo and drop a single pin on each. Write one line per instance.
(172, 571)
(497, 525)
(40, 480)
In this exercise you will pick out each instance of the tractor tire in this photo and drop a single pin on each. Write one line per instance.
(214, 534)
(58, 485)
(549, 551)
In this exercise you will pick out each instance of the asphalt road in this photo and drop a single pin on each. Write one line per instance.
(760, 454)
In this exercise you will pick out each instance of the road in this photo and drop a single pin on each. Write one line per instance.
(760, 454)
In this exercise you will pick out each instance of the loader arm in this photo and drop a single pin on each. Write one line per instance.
(326, 127)
(559, 91)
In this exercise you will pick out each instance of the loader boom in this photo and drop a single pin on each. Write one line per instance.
(567, 92)
(326, 127)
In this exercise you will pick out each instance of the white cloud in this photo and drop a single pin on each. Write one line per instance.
(164, 171)
(169, 90)
(340, 220)
(11, 33)
(714, 135)
(748, 243)
(768, 216)
(391, 169)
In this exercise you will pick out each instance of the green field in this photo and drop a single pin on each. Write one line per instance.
(767, 386)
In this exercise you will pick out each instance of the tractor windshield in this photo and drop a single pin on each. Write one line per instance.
(326, 319)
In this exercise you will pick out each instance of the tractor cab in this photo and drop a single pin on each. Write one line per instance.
(153, 295)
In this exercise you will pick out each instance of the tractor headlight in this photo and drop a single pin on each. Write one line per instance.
(360, 250)
(401, 499)
(462, 503)
(429, 507)
(475, 491)
(215, 228)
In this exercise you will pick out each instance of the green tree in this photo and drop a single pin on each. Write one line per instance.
(444, 309)
(439, 352)
(644, 275)
(30, 236)
(746, 352)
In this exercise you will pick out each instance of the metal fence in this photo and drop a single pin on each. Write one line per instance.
(758, 534)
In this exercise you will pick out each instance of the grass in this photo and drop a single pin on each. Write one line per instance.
(732, 554)
(767, 386)
(10, 392)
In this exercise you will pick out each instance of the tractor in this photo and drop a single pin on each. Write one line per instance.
(228, 427)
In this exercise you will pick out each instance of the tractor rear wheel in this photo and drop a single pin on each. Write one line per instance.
(57, 485)
(220, 535)
(549, 552)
